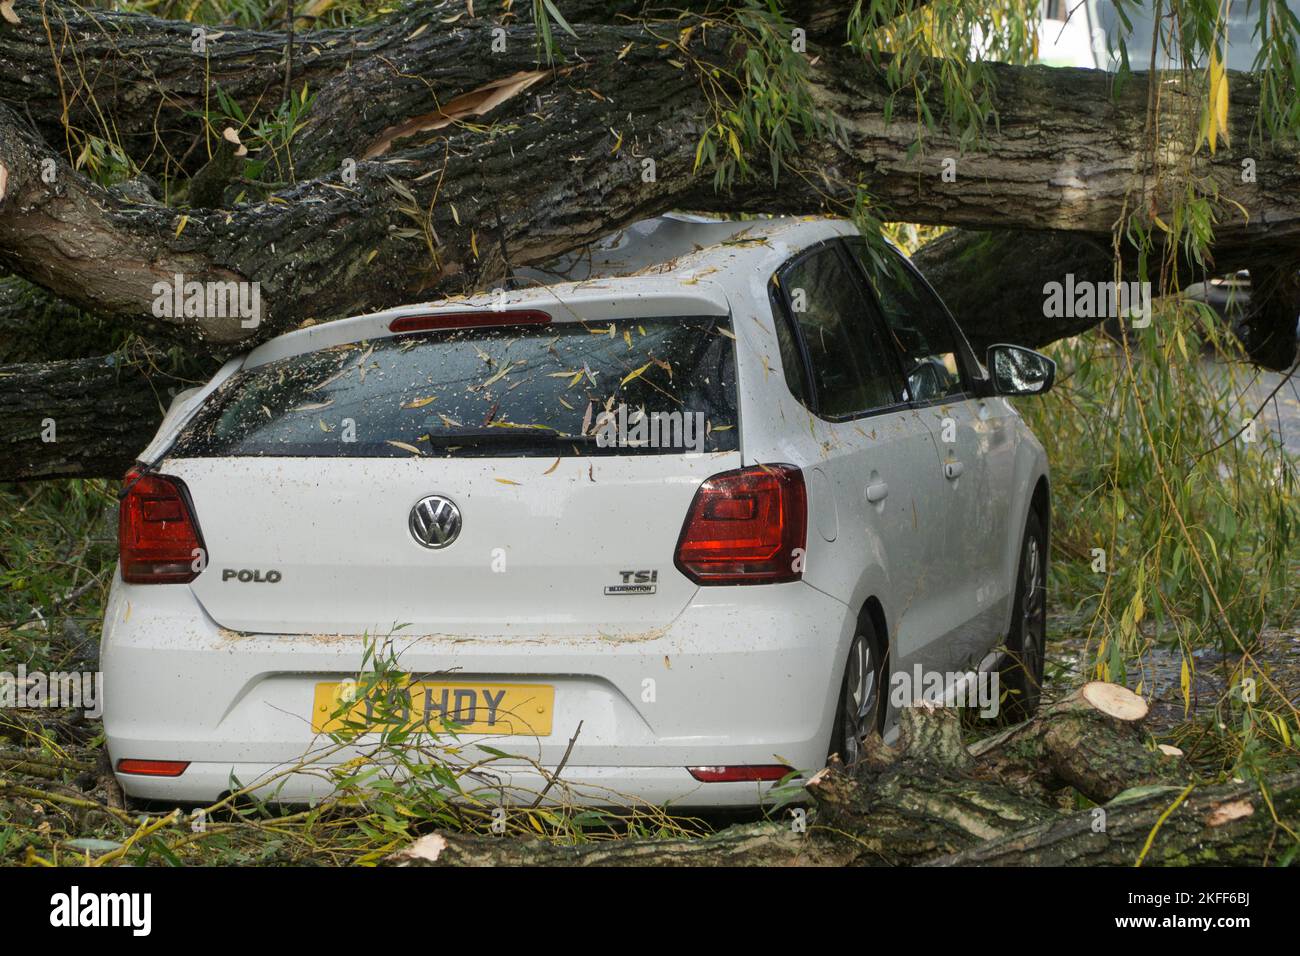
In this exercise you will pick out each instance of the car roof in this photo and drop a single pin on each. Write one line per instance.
(676, 243)
(676, 264)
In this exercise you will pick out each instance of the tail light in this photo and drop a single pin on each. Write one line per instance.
(158, 539)
(746, 527)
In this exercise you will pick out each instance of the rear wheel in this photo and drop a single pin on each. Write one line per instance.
(862, 700)
(1022, 672)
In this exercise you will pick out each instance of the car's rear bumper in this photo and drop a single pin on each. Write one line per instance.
(745, 676)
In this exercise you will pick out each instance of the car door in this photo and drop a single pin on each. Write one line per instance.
(878, 457)
(973, 436)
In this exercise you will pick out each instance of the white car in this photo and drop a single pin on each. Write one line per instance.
(843, 503)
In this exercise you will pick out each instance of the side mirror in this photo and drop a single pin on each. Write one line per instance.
(1014, 370)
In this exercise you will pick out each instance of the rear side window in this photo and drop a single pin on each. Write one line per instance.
(919, 326)
(854, 369)
(796, 377)
(642, 386)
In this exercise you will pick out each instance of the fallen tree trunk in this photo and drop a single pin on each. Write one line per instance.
(994, 283)
(78, 417)
(1065, 155)
(1232, 825)
(932, 800)
(444, 199)
(147, 77)
(1091, 741)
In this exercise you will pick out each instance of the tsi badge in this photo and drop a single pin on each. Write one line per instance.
(635, 582)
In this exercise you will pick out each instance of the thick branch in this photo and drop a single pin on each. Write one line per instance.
(1067, 154)
(455, 205)
(77, 418)
(1054, 163)
(1231, 825)
(993, 281)
(330, 247)
(142, 80)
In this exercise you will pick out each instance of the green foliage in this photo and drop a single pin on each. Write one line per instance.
(1278, 66)
(929, 51)
(58, 545)
(773, 107)
(1197, 526)
(103, 161)
(268, 135)
(545, 13)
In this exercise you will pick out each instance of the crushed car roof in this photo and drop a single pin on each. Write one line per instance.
(664, 244)
(671, 264)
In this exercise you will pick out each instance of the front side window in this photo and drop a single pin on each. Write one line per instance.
(853, 369)
(919, 327)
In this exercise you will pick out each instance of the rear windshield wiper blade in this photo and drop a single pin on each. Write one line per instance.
(504, 436)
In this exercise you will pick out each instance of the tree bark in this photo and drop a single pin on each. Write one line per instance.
(992, 281)
(78, 417)
(1091, 740)
(145, 77)
(434, 220)
(36, 326)
(1232, 825)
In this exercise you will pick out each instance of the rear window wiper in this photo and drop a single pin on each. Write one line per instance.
(503, 436)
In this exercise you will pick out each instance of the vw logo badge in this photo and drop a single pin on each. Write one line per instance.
(435, 521)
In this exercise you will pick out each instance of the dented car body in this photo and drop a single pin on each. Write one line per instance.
(700, 493)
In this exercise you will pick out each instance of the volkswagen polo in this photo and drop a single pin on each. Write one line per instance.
(675, 515)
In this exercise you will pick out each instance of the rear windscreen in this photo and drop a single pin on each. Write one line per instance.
(639, 386)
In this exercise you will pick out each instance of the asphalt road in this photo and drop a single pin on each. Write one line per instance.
(1282, 412)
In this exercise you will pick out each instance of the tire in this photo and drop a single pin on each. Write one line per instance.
(1021, 674)
(863, 709)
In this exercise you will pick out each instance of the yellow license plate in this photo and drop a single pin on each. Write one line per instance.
(478, 708)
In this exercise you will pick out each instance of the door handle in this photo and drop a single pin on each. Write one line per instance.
(876, 492)
(952, 469)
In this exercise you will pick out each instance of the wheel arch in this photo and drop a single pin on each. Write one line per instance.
(1041, 504)
(873, 612)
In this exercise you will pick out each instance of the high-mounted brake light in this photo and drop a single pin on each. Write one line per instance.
(153, 768)
(157, 537)
(468, 320)
(739, 773)
(747, 526)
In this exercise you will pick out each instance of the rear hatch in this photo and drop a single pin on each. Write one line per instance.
(570, 449)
